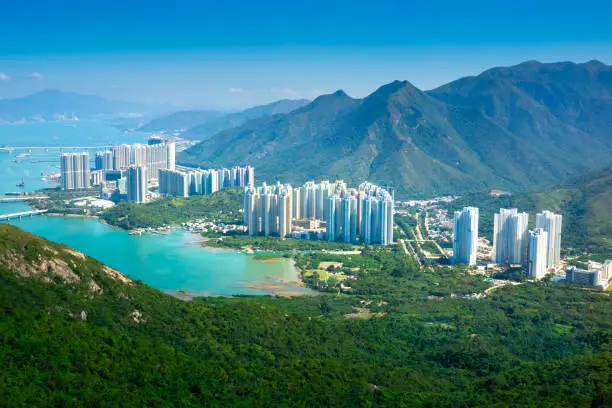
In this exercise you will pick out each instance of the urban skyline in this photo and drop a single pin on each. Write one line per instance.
(513, 242)
(350, 215)
(181, 183)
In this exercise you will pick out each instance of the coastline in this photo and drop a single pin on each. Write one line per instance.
(276, 288)
(274, 259)
(51, 214)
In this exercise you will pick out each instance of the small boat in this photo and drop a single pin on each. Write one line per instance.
(21, 184)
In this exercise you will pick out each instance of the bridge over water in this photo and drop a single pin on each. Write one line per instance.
(20, 215)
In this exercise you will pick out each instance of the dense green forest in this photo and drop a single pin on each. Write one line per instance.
(76, 333)
(222, 206)
(260, 243)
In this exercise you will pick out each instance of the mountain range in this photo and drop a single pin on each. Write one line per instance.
(515, 128)
(203, 124)
(52, 104)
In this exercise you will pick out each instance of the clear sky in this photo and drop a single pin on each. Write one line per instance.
(232, 54)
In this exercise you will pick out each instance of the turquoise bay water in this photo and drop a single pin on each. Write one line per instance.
(168, 262)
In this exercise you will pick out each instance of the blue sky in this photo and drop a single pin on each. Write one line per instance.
(232, 54)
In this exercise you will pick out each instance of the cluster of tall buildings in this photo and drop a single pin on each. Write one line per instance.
(157, 154)
(134, 166)
(364, 214)
(197, 182)
(510, 236)
(75, 171)
(513, 243)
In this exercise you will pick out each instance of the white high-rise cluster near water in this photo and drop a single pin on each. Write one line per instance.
(351, 215)
(75, 171)
(510, 237)
(157, 155)
(465, 241)
(173, 183)
(198, 182)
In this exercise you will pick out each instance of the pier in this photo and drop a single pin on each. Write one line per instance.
(20, 215)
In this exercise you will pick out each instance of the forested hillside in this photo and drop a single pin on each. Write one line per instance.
(76, 333)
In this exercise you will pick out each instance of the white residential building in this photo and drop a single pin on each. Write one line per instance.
(465, 242)
(174, 183)
(137, 184)
(538, 251)
(552, 224)
(75, 171)
(510, 237)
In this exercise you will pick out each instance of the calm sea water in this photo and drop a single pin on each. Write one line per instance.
(168, 262)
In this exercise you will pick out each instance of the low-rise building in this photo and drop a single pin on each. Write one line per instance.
(581, 277)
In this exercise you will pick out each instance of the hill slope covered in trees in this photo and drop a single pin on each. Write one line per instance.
(78, 333)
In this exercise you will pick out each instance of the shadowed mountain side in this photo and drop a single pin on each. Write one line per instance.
(515, 128)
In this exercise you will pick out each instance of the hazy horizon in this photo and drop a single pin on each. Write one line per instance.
(233, 56)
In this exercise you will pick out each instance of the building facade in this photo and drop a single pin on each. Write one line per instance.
(552, 224)
(75, 173)
(465, 241)
(137, 184)
(581, 277)
(104, 160)
(275, 210)
(510, 237)
(538, 252)
(174, 183)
